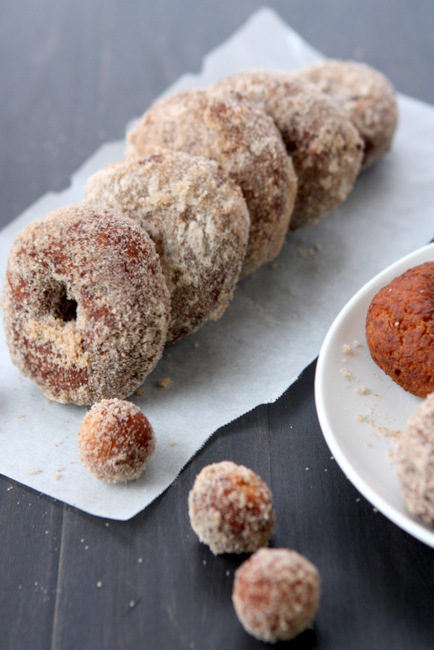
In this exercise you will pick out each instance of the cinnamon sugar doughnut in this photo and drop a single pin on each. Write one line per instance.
(366, 96)
(415, 461)
(245, 141)
(400, 329)
(324, 146)
(86, 307)
(230, 508)
(276, 594)
(198, 220)
(115, 441)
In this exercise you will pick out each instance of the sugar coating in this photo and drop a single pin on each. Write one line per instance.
(86, 307)
(415, 461)
(276, 594)
(366, 96)
(115, 441)
(198, 220)
(400, 329)
(246, 143)
(230, 508)
(324, 146)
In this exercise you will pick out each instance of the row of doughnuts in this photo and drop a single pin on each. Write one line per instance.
(213, 180)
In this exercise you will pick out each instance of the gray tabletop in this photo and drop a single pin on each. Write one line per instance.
(71, 75)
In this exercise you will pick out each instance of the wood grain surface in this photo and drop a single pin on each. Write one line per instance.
(71, 75)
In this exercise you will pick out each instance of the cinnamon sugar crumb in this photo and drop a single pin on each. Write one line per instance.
(164, 383)
(362, 390)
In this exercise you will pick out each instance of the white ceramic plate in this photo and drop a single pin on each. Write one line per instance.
(360, 409)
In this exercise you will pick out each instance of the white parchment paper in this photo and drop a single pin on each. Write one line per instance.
(274, 326)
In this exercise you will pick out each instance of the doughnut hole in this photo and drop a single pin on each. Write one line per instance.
(115, 441)
(276, 594)
(231, 509)
(59, 304)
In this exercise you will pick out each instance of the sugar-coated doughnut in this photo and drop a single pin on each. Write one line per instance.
(247, 144)
(115, 441)
(276, 594)
(366, 96)
(86, 306)
(324, 146)
(230, 508)
(400, 329)
(415, 461)
(198, 220)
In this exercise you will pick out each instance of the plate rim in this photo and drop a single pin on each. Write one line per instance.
(407, 522)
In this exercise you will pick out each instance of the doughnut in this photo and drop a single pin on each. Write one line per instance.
(230, 508)
(198, 220)
(86, 306)
(366, 96)
(115, 441)
(415, 461)
(276, 594)
(246, 143)
(324, 146)
(400, 329)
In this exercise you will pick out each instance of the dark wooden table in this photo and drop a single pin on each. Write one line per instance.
(71, 75)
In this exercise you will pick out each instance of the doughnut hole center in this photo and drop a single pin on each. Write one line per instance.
(61, 306)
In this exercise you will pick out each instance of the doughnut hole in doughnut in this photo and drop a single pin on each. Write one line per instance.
(115, 441)
(231, 509)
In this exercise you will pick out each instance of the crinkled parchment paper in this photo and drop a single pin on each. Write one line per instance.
(274, 326)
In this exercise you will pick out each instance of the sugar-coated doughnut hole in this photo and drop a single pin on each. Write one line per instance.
(231, 509)
(276, 594)
(115, 441)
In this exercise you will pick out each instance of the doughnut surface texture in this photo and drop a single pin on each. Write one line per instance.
(246, 143)
(276, 594)
(198, 220)
(400, 329)
(366, 96)
(86, 307)
(324, 146)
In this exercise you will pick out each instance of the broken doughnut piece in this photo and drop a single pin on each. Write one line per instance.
(276, 594)
(115, 441)
(231, 509)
